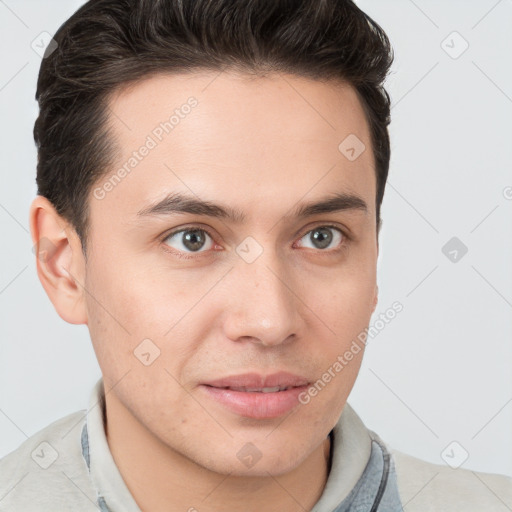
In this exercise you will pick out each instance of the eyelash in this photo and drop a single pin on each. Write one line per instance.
(342, 246)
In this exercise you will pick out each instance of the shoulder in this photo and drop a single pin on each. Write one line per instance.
(424, 486)
(47, 471)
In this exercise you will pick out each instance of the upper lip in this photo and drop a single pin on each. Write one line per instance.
(256, 381)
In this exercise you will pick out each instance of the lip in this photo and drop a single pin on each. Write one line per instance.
(256, 380)
(257, 404)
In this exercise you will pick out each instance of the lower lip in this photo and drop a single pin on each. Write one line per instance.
(254, 404)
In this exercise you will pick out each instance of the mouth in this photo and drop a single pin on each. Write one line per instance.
(259, 382)
(257, 396)
(258, 390)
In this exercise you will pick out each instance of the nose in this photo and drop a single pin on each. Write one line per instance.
(264, 303)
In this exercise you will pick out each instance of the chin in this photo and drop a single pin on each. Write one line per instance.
(247, 459)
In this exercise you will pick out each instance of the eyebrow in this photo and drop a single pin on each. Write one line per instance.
(182, 203)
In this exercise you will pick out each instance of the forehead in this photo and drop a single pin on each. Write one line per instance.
(239, 138)
(238, 105)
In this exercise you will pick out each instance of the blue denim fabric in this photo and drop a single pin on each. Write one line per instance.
(85, 452)
(377, 489)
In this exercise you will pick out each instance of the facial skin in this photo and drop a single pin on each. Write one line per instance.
(261, 146)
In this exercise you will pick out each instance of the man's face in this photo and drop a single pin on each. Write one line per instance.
(274, 292)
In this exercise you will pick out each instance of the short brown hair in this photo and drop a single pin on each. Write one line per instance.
(109, 43)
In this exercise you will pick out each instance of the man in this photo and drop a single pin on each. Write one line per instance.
(210, 177)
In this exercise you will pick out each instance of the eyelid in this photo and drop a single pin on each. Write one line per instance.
(344, 231)
(187, 227)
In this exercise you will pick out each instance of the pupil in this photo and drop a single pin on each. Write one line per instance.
(323, 236)
(193, 240)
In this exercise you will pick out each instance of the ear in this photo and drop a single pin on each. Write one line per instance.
(59, 260)
(376, 295)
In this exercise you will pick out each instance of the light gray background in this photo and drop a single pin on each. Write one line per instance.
(441, 370)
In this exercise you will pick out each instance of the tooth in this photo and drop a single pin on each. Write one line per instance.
(270, 390)
(275, 389)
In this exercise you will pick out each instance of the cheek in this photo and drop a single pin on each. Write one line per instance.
(134, 295)
(344, 302)
(142, 316)
(345, 308)
(116, 303)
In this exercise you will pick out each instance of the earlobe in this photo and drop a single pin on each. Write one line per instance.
(59, 260)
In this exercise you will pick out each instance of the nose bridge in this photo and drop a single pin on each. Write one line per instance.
(264, 307)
